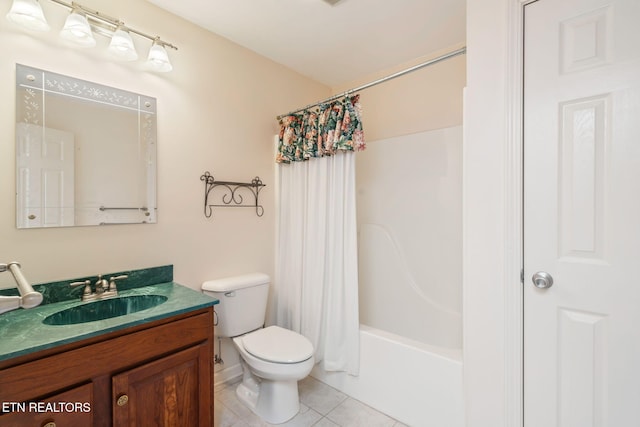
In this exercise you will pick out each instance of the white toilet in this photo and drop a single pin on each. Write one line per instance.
(274, 359)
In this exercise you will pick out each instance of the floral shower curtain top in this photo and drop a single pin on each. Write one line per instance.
(334, 127)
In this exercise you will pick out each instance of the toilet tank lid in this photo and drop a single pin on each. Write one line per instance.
(235, 282)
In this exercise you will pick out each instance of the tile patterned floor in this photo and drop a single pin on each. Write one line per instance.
(320, 406)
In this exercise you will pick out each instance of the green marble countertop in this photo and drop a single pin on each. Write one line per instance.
(22, 331)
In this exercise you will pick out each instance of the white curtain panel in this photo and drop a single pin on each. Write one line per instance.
(316, 286)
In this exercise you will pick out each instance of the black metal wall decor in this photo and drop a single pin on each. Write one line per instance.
(230, 196)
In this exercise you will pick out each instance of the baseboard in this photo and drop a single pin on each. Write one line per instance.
(227, 375)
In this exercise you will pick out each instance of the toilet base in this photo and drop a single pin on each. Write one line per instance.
(273, 401)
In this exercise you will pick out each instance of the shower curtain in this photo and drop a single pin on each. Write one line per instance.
(316, 289)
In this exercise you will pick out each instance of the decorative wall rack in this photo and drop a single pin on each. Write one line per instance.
(231, 196)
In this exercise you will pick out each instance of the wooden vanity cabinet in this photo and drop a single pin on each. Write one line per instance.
(159, 374)
(161, 393)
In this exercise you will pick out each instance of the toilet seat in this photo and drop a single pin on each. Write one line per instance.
(278, 345)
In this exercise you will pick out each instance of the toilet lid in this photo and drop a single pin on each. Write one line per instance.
(279, 345)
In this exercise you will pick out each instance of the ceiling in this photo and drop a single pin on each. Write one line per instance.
(335, 44)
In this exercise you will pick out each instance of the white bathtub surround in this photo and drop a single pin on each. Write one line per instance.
(409, 198)
(426, 379)
(316, 286)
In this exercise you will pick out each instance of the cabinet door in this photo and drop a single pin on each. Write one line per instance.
(172, 391)
(70, 408)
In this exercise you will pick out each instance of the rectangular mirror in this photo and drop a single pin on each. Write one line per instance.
(85, 152)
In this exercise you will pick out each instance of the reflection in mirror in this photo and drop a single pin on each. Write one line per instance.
(85, 152)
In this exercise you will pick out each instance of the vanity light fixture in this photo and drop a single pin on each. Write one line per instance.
(158, 59)
(77, 29)
(83, 22)
(28, 13)
(121, 45)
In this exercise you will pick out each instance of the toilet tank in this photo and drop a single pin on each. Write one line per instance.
(243, 302)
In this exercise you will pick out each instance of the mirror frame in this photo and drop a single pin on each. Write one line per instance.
(33, 136)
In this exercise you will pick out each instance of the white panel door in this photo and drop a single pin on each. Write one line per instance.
(582, 213)
(45, 177)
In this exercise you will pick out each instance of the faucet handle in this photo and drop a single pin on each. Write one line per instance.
(87, 286)
(112, 281)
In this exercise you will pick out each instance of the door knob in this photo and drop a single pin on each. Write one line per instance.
(542, 280)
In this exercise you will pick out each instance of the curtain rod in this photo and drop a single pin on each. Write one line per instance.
(446, 56)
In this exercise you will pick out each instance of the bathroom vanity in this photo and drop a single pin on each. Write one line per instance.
(153, 367)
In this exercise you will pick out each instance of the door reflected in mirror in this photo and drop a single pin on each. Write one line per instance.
(85, 152)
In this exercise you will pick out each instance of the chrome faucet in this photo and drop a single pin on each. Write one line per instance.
(101, 285)
(28, 297)
(103, 289)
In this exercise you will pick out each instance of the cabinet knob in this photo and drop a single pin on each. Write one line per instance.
(32, 216)
(49, 424)
(122, 400)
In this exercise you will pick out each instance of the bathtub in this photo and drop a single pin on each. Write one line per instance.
(415, 383)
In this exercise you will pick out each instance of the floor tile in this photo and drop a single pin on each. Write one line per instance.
(307, 418)
(320, 406)
(224, 417)
(352, 413)
(325, 423)
(227, 396)
(319, 396)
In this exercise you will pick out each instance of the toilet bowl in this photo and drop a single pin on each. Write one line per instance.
(273, 359)
(276, 353)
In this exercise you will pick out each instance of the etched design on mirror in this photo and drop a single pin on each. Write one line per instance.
(32, 103)
(73, 87)
(148, 127)
(107, 173)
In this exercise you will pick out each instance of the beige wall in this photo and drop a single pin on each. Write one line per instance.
(216, 112)
(426, 99)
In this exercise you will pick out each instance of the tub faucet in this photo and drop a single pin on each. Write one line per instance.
(28, 297)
